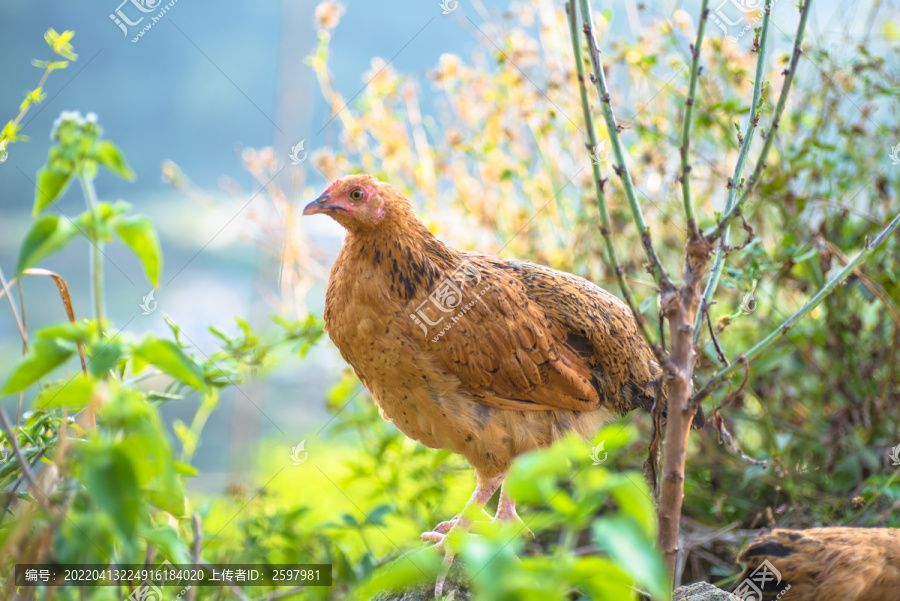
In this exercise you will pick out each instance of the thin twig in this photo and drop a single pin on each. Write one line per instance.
(63, 288)
(612, 259)
(5, 292)
(874, 287)
(735, 183)
(195, 551)
(789, 73)
(12, 493)
(686, 129)
(26, 466)
(786, 325)
(621, 169)
(90, 195)
(704, 309)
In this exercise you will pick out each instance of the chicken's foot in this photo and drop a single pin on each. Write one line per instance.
(484, 490)
(506, 511)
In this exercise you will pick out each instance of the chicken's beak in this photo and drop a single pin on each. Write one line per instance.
(320, 205)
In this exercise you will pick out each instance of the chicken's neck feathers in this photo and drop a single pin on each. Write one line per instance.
(403, 253)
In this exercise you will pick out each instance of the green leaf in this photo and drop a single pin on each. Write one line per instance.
(137, 233)
(109, 478)
(107, 154)
(44, 355)
(627, 544)
(167, 540)
(170, 358)
(413, 568)
(60, 43)
(51, 183)
(47, 235)
(76, 332)
(632, 495)
(52, 66)
(67, 393)
(105, 358)
(186, 469)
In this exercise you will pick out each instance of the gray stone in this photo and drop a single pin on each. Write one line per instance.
(702, 591)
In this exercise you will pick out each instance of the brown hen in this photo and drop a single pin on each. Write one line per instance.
(486, 357)
(822, 564)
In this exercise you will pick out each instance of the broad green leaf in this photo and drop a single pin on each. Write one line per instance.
(107, 154)
(413, 568)
(98, 224)
(109, 478)
(67, 393)
(76, 332)
(625, 542)
(634, 499)
(105, 357)
(167, 493)
(51, 183)
(44, 355)
(170, 358)
(169, 542)
(47, 235)
(603, 578)
(137, 233)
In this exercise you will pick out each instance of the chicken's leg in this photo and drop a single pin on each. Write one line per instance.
(484, 489)
(506, 511)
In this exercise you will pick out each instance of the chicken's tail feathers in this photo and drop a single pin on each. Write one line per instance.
(765, 569)
(823, 564)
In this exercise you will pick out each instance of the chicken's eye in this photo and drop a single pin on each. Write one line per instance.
(356, 194)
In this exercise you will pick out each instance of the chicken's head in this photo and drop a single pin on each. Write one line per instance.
(358, 202)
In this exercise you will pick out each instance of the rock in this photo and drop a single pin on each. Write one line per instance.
(702, 591)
